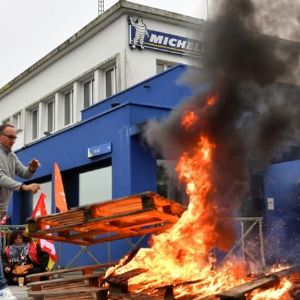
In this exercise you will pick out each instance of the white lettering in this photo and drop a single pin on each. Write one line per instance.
(181, 44)
(166, 40)
(156, 39)
(172, 42)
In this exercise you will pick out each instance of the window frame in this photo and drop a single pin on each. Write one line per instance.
(71, 105)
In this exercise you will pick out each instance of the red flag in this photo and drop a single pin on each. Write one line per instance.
(40, 207)
(59, 193)
(46, 245)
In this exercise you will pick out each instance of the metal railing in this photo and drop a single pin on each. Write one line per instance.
(251, 242)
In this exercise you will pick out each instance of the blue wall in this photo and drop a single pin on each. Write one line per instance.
(282, 236)
(133, 166)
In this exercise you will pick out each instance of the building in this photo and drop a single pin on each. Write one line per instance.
(105, 57)
(82, 106)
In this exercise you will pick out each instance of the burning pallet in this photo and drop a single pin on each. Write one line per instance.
(102, 222)
(119, 289)
(265, 282)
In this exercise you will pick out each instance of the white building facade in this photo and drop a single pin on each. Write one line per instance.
(125, 45)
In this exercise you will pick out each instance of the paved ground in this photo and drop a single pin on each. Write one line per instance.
(20, 292)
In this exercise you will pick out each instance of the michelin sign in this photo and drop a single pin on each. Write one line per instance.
(141, 37)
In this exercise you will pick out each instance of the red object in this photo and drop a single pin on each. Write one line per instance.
(40, 211)
(4, 220)
(59, 192)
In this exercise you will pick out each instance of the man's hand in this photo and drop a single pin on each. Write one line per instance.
(7, 269)
(33, 165)
(33, 187)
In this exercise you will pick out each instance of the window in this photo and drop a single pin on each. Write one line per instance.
(34, 123)
(68, 108)
(88, 90)
(46, 187)
(167, 182)
(164, 66)
(50, 115)
(6, 121)
(17, 121)
(110, 81)
(95, 186)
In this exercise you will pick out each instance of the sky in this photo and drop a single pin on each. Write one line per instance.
(30, 29)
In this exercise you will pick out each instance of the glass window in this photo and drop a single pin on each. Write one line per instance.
(34, 123)
(88, 93)
(159, 68)
(110, 82)
(164, 66)
(68, 108)
(95, 186)
(50, 116)
(167, 183)
(17, 121)
(46, 188)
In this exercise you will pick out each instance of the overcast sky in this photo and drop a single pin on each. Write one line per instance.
(29, 29)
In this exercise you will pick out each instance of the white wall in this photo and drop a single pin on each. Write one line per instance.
(133, 66)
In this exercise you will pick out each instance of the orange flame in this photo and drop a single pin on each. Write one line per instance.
(189, 119)
(278, 292)
(182, 255)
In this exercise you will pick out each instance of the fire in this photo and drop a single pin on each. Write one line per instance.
(182, 256)
(188, 119)
(278, 292)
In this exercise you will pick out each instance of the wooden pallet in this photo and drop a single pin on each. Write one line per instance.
(102, 222)
(239, 292)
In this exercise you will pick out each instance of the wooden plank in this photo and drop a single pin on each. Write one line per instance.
(87, 269)
(271, 279)
(58, 292)
(157, 229)
(241, 290)
(57, 281)
(117, 219)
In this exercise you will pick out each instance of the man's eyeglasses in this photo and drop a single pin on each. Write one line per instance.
(11, 137)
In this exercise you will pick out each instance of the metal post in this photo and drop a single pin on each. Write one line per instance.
(261, 240)
(243, 239)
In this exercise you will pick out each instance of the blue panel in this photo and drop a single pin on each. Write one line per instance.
(110, 130)
(282, 212)
(99, 150)
(161, 91)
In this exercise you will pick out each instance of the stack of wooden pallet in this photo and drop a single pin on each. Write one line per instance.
(97, 223)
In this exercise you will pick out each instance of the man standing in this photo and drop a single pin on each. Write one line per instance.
(10, 166)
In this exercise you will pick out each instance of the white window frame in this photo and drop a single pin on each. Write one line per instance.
(69, 92)
(31, 111)
(16, 121)
(47, 103)
(90, 82)
(112, 68)
(166, 65)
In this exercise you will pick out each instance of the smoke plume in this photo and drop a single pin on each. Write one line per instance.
(255, 117)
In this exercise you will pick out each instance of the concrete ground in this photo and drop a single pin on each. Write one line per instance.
(19, 291)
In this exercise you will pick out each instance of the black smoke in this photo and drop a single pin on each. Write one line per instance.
(256, 116)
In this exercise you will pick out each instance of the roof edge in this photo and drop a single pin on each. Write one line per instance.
(94, 26)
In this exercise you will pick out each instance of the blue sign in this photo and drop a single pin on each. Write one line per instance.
(99, 150)
(141, 37)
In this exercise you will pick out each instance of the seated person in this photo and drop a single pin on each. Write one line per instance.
(22, 251)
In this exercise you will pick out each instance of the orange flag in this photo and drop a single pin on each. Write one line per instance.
(59, 193)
